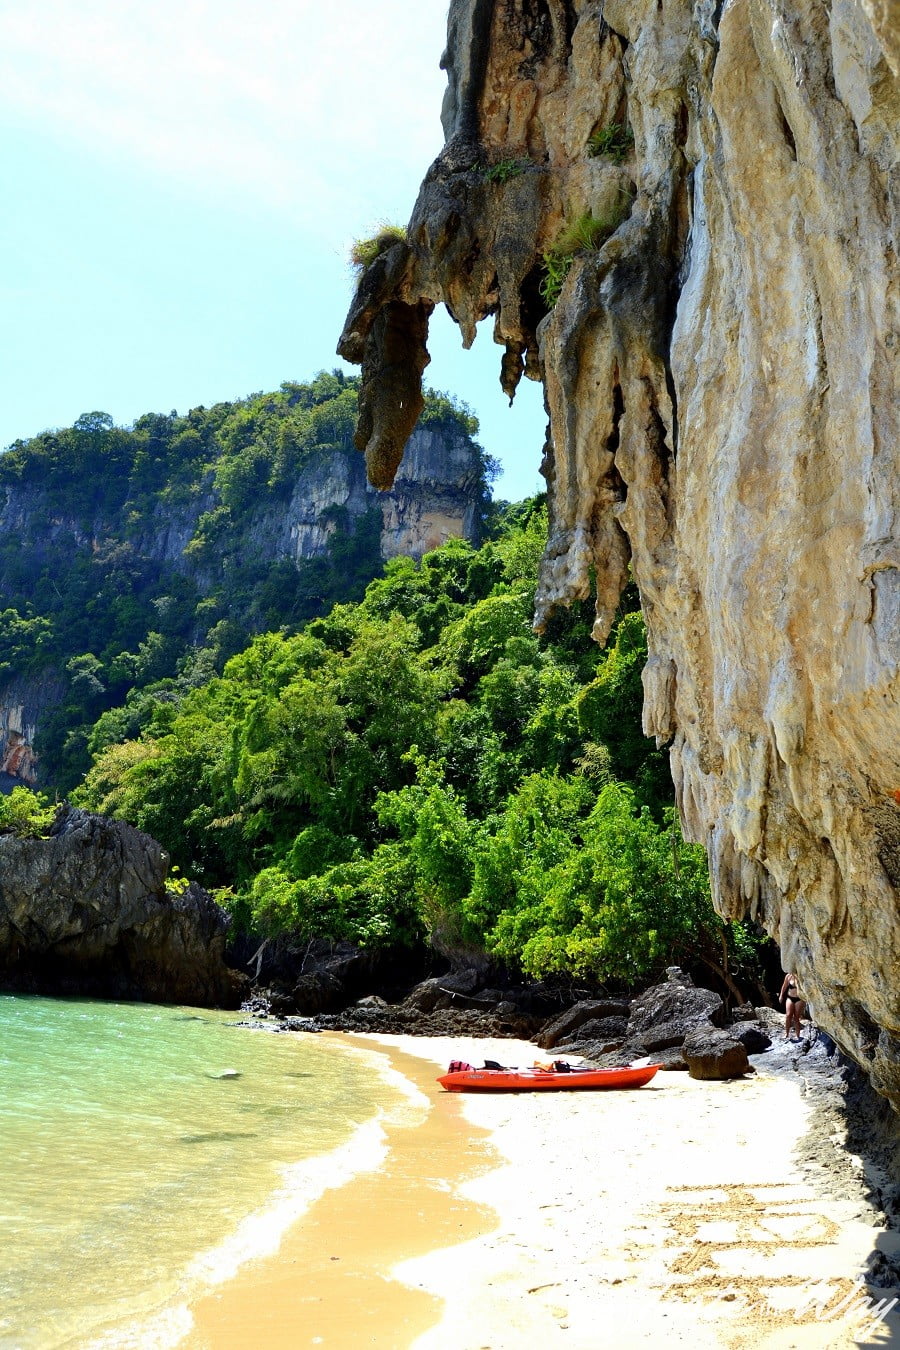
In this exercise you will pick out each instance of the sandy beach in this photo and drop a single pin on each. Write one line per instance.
(680, 1213)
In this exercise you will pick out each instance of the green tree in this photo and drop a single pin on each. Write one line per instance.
(609, 713)
(627, 898)
(422, 763)
(26, 814)
(440, 841)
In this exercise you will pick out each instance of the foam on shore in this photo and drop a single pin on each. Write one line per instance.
(259, 1236)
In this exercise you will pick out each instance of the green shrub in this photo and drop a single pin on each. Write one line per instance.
(26, 814)
(556, 269)
(504, 170)
(364, 251)
(613, 142)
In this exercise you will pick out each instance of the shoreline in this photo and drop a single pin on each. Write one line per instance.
(330, 1283)
(682, 1211)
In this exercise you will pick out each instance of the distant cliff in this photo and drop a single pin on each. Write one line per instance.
(682, 218)
(21, 704)
(134, 556)
(437, 496)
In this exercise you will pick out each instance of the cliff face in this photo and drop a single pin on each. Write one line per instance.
(21, 703)
(721, 380)
(434, 499)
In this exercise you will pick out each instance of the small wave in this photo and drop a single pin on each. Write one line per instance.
(214, 1136)
(259, 1235)
(413, 1105)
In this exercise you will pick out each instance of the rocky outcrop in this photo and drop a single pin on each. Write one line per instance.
(87, 911)
(338, 986)
(436, 497)
(721, 378)
(665, 1014)
(585, 1015)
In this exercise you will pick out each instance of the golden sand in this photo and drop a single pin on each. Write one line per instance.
(330, 1284)
(677, 1214)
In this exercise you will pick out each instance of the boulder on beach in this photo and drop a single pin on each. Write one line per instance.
(714, 1054)
(663, 1015)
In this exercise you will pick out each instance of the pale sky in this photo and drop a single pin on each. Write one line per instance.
(183, 180)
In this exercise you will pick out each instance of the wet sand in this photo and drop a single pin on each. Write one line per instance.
(331, 1284)
(680, 1213)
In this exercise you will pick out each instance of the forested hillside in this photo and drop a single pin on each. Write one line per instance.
(422, 765)
(153, 553)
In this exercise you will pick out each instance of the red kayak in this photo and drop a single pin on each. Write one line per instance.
(545, 1080)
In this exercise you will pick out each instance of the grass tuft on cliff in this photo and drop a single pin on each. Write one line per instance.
(504, 170)
(364, 251)
(582, 235)
(613, 142)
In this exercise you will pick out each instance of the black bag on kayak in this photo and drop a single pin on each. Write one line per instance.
(492, 1064)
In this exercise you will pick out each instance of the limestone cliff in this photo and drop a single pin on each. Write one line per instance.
(438, 496)
(721, 381)
(435, 498)
(21, 703)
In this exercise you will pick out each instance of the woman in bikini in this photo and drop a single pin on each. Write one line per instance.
(794, 1005)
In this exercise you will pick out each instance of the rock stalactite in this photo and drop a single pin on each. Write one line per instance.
(721, 378)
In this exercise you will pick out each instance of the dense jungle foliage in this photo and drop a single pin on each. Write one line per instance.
(102, 597)
(421, 765)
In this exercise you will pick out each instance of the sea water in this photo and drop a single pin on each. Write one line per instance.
(147, 1151)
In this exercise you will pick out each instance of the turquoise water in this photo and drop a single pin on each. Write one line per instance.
(146, 1151)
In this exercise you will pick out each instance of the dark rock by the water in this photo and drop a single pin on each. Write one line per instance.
(86, 911)
(321, 977)
(602, 1030)
(712, 1053)
(446, 991)
(319, 992)
(400, 1019)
